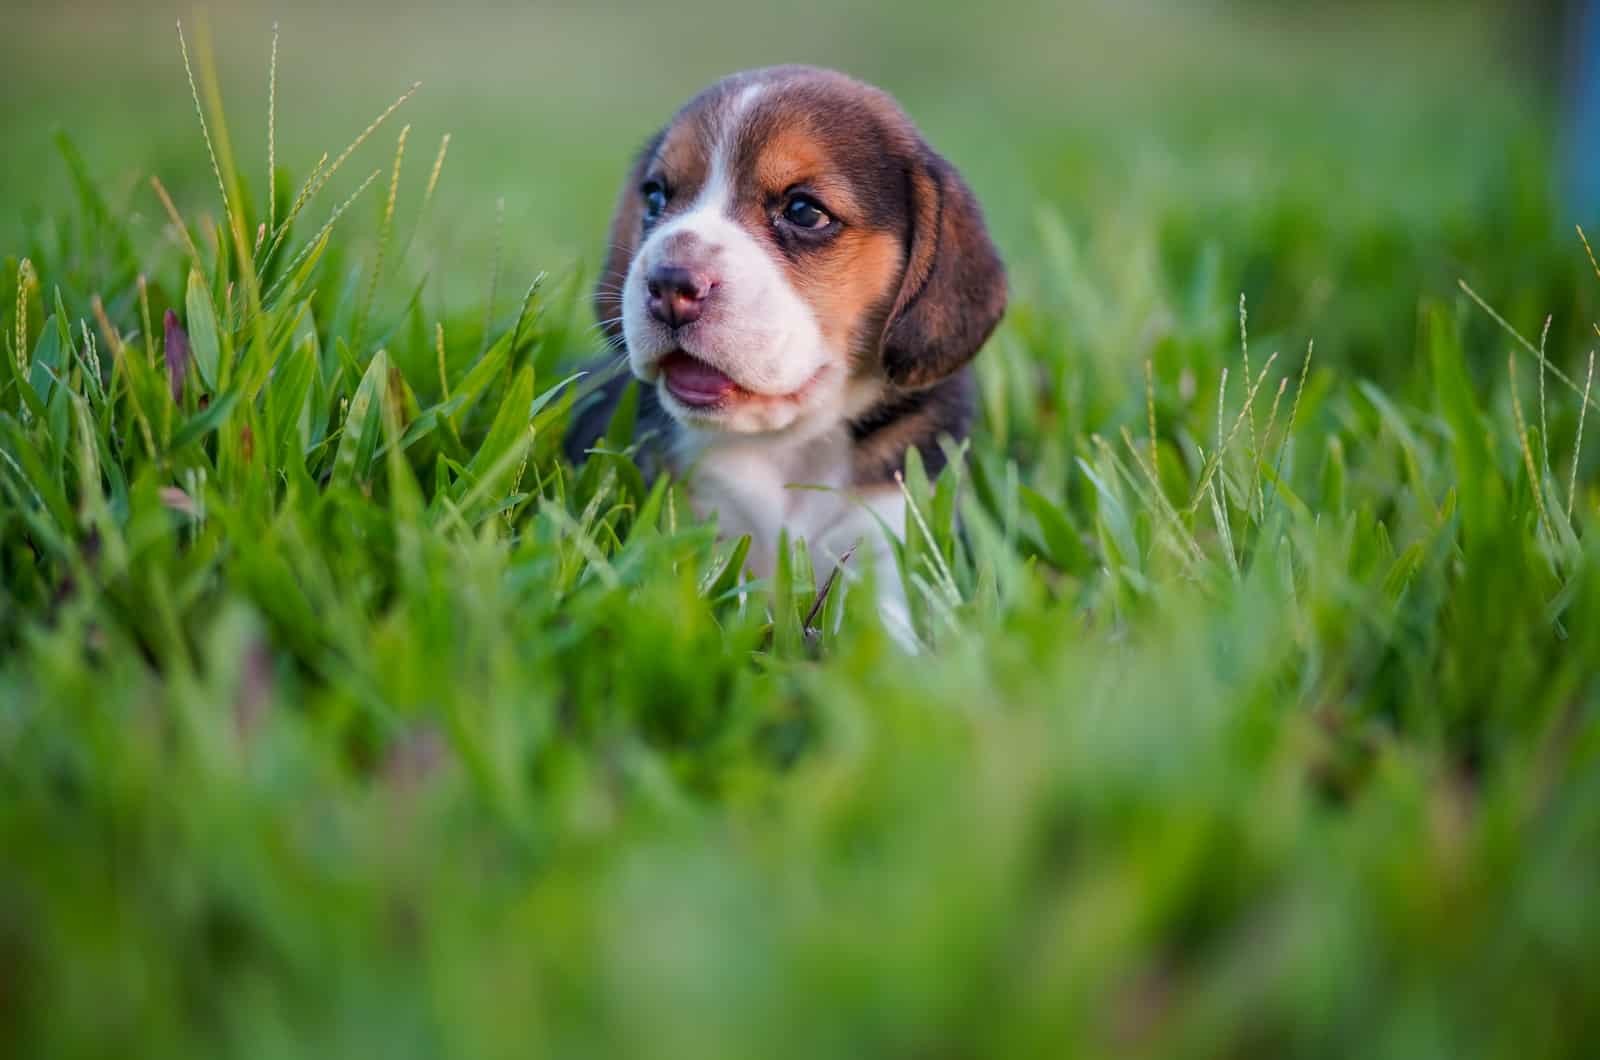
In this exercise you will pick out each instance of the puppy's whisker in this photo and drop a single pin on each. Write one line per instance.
(613, 344)
(598, 329)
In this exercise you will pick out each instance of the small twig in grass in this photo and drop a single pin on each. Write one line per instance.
(1577, 446)
(809, 627)
(1527, 451)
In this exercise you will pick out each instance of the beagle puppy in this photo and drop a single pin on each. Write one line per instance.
(799, 282)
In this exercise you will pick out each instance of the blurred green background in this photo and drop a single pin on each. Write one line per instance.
(1283, 133)
(315, 762)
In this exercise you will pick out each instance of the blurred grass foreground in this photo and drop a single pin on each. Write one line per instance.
(339, 716)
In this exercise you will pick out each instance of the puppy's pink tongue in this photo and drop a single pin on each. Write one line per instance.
(693, 381)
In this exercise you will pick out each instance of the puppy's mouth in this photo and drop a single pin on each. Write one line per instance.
(706, 394)
(696, 383)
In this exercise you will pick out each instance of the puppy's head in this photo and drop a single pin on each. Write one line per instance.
(786, 247)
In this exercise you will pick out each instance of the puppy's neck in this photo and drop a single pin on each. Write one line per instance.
(802, 479)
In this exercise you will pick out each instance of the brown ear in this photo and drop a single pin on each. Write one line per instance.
(621, 242)
(954, 289)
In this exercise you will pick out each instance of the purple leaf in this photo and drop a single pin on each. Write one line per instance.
(177, 347)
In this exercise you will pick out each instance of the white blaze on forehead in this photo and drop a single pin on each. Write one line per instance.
(717, 193)
(741, 106)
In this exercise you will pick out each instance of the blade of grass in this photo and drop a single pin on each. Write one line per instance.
(272, 133)
(317, 240)
(1505, 325)
(494, 274)
(205, 131)
(25, 280)
(176, 219)
(386, 226)
(1294, 412)
(1534, 478)
(1577, 445)
(320, 175)
(1255, 451)
(1210, 467)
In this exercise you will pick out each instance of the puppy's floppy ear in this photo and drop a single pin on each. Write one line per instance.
(954, 289)
(622, 240)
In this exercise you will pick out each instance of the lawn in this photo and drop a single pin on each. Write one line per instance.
(1257, 712)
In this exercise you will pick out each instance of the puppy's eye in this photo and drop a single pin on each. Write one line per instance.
(655, 200)
(803, 211)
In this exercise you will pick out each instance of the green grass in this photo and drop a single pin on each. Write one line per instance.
(338, 716)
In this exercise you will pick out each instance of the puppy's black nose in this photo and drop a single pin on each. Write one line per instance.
(677, 294)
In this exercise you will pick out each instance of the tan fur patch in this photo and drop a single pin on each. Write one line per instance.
(797, 156)
(848, 286)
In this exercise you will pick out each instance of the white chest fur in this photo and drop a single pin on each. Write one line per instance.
(761, 486)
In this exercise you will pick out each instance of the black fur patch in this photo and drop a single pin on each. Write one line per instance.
(912, 419)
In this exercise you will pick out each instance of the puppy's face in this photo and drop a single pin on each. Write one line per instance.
(788, 246)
